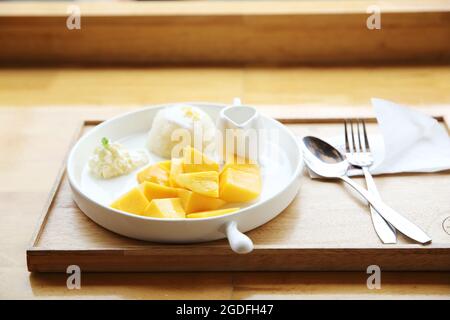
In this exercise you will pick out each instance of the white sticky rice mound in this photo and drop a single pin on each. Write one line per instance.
(185, 117)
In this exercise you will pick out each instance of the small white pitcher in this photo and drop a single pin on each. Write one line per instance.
(244, 123)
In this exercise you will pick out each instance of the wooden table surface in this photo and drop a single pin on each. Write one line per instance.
(36, 101)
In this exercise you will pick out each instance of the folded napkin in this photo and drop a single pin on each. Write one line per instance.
(409, 141)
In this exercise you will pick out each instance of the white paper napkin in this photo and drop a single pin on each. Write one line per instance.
(409, 141)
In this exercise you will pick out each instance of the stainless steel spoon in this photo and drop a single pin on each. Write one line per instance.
(326, 161)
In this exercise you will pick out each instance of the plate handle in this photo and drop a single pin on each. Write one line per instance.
(239, 242)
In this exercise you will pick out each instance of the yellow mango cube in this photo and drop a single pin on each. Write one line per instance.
(165, 165)
(239, 186)
(214, 213)
(154, 173)
(242, 164)
(133, 201)
(194, 202)
(165, 208)
(195, 161)
(176, 169)
(157, 191)
(205, 183)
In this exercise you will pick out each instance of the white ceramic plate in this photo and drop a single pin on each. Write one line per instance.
(280, 174)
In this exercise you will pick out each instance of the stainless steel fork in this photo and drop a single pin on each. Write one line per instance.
(359, 155)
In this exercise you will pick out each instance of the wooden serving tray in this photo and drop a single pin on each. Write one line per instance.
(327, 227)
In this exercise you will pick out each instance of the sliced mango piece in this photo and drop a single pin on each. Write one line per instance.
(165, 208)
(154, 173)
(165, 165)
(239, 186)
(194, 202)
(157, 191)
(133, 201)
(176, 169)
(205, 183)
(214, 213)
(195, 161)
(242, 164)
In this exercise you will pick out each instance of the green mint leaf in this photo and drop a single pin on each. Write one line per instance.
(105, 142)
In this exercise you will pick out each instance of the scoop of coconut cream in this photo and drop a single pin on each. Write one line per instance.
(178, 126)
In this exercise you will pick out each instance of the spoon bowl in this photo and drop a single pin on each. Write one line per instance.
(324, 159)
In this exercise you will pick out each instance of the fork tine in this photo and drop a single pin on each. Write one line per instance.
(347, 146)
(366, 140)
(353, 137)
(359, 136)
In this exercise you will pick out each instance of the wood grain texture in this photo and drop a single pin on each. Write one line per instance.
(302, 88)
(226, 32)
(314, 233)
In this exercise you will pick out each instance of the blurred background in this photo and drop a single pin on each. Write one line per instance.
(295, 52)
